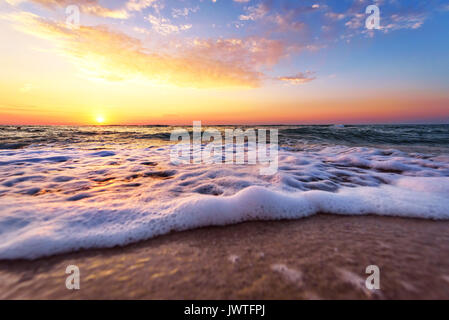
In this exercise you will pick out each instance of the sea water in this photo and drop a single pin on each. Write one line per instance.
(68, 188)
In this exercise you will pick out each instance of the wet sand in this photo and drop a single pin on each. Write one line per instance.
(321, 257)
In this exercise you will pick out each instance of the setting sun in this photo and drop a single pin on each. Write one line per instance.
(100, 119)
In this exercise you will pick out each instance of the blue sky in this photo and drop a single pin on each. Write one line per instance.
(292, 56)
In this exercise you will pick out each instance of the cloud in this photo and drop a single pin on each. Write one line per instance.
(115, 56)
(356, 22)
(163, 26)
(286, 22)
(139, 5)
(394, 15)
(255, 12)
(184, 12)
(276, 29)
(335, 16)
(94, 7)
(252, 51)
(287, 18)
(88, 6)
(410, 21)
(105, 12)
(299, 78)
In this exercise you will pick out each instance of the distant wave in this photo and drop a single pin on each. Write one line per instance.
(426, 135)
(406, 136)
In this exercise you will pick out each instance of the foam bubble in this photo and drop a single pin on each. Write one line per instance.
(74, 198)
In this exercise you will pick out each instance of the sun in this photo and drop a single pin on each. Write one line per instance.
(100, 119)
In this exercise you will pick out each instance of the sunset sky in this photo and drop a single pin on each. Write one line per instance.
(223, 62)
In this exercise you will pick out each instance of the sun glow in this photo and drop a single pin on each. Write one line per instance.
(100, 119)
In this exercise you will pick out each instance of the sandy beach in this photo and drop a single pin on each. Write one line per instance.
(321, 257)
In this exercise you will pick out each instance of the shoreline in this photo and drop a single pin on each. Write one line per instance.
(318, 257)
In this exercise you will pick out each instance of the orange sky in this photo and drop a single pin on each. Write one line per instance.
(55, 75)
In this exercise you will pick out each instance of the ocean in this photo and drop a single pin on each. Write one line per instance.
(66, 188)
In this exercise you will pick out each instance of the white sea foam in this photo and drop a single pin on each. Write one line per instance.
(55, 200)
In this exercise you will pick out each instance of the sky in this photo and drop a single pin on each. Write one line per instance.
(223, 62)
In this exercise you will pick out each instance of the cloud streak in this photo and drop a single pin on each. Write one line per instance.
(299, 78)
(94, 7)
(116, 56)
(204, 57)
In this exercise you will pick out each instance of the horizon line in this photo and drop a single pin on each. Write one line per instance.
(222, 125)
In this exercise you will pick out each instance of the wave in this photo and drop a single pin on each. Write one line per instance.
(50, 229)
(430, 136)
(62, 199)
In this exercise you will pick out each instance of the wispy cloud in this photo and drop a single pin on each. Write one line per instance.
(139, 5)
(163, 26)
(116, 56)
(88, 6)
(408, 21)
(94, 7)
(206, 58)
(184, 12)
(299, 78)
(255, 12)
